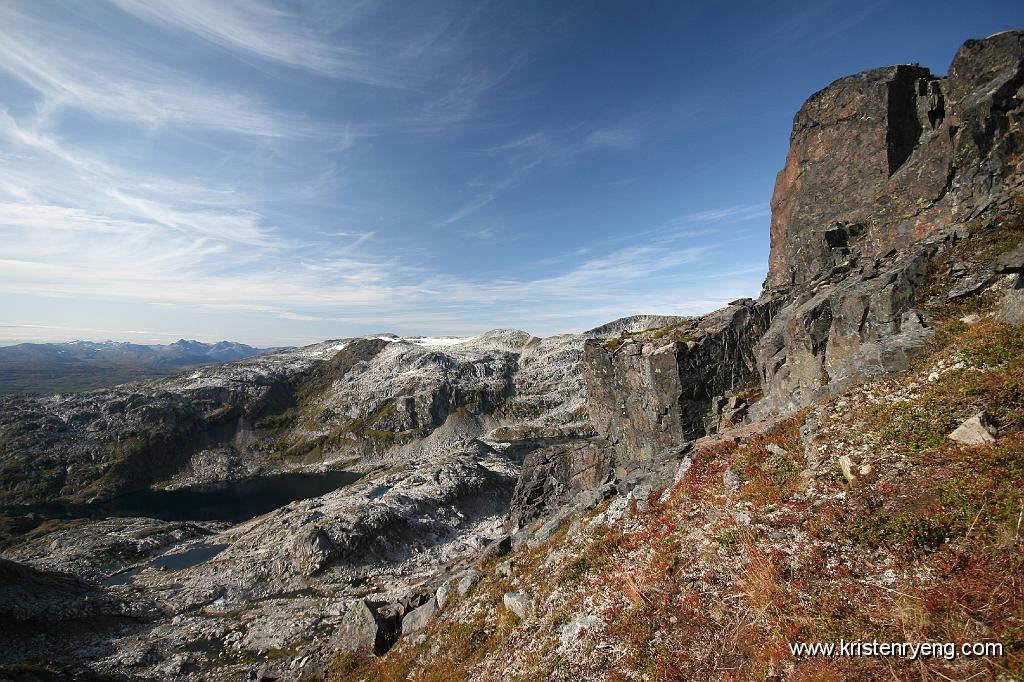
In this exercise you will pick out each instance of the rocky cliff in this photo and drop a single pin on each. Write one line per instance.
(887, 171)
(885, 158)
(652, 391)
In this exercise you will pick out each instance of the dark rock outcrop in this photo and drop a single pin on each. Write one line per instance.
(60, 614)
(867, 155)
(883, 158)
(823, 341)
(652, 391)
(853, 243)
(552, 475)
(30, 595)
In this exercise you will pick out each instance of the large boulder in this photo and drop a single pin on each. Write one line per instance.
(519, 603)
(418, 618)
(312, 550)
(368, 628)
(1012, 307)
(552, 475)
(977, 430)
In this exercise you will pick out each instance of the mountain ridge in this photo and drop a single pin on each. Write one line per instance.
(82, 365)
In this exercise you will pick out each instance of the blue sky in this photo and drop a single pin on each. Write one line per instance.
(282, 173)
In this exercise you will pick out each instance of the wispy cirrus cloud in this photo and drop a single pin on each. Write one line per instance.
(701, 223)
(259, 29)
(740, 213)
(521, 155)
(459, 100)
(153, 177)
(112, 191)
(62, 251)
(69, 72)
(22, 332)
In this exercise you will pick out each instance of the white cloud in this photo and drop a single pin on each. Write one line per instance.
(734, 214)
(82, 227)
(19, 332)
(521, 155)
(134, 247)
(69, 67)
(262, 30)
(86, 220)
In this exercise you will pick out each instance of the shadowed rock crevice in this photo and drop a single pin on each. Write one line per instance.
(903, 113)
(653, 391)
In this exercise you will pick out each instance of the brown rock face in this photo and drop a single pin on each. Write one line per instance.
(884, 166)
(885, 157)
(866, 153)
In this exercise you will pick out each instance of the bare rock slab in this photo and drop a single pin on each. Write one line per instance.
(977, 430)
(418, 618)
(467, 580)
(504, 569)
(1012, 308)
(577, 628)
(518, 603)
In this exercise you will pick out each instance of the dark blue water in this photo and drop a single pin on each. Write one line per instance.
(122, 578)
(234, 502)
(378, 492)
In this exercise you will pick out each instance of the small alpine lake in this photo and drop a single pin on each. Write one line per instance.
(231, 501)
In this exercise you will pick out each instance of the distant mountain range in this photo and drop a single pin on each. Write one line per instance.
(81, 365)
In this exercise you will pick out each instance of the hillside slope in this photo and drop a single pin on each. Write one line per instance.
(857, 518)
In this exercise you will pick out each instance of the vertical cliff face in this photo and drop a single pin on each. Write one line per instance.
(652, 391)
(888, 156)
(852, 169)
(887, 170)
